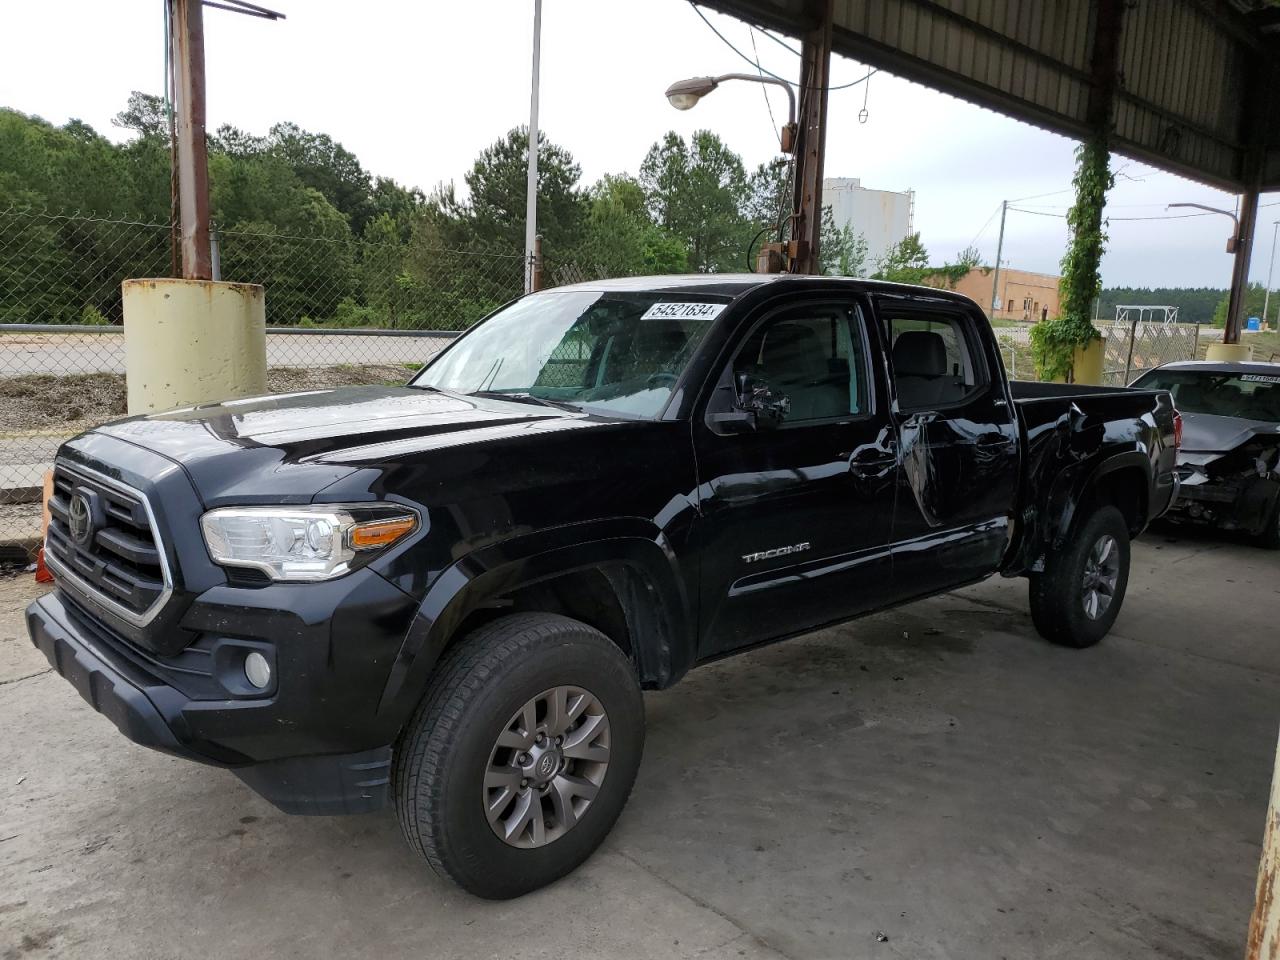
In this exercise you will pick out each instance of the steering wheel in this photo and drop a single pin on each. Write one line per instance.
(662, 378)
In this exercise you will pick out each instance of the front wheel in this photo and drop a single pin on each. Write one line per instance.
(522, 754)
(1077, 597)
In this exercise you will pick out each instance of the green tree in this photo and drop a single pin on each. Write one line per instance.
(620, 239)
(698, 192)
(843, 253)
(325, 165)
(1254, 298)
(907, 261)
(145, 114)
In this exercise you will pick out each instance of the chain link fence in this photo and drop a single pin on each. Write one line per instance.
(339, 312)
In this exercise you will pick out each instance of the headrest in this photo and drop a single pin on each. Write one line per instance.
(792, 352)
(919, 353)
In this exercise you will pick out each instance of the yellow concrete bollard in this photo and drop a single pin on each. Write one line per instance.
(1087, 363)
(192, 341)
(1229, 352)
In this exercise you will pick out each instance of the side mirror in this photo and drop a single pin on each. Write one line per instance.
(757, 397)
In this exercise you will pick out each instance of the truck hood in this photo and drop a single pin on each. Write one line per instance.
(285, 448)
(1206, 433)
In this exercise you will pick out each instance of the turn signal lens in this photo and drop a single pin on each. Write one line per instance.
(381, 533)
(1177, 430)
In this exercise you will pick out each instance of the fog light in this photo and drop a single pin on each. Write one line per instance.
(257, 671)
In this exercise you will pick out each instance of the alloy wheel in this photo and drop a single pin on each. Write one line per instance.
(1101, 574)
(546, 767)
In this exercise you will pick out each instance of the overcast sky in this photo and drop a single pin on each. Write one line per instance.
(415, 90)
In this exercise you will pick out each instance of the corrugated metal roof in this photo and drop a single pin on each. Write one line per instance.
(1199, 80)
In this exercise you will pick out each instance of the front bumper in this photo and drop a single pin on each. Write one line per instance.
(1235, 503)
(314, 742)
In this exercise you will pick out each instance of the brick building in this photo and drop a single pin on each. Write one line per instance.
(1023, 295)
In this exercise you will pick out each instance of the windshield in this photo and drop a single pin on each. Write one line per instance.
(616, 352)
(1249, 396)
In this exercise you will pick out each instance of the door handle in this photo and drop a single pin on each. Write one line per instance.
(870, 464)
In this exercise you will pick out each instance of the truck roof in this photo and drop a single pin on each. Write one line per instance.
(736, 284)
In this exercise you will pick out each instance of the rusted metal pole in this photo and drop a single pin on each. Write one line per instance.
(1264, 925)
(815, 77)
(1240, 267)
(187, 22)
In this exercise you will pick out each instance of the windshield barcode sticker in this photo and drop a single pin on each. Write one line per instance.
(683, 311)
(1259, 378)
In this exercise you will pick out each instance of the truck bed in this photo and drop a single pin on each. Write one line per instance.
(1024, 390)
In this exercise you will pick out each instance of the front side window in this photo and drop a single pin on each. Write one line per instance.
(614, 352)
(933, 362)
(1249, 396)
(813, 357)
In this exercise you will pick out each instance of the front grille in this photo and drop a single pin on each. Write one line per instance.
(102, 539)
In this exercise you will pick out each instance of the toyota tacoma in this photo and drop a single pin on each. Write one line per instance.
(448, 596)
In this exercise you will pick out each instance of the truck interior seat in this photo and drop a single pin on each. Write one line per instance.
(920, 370)
(794, 361)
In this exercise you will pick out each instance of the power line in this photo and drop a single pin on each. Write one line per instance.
(764, 87)
(755, 63)
(977, 235)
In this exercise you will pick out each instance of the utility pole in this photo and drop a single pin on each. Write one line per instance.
(186, 19)
(995, 280)
(531, 192)
(804, 253)
(1266, 300)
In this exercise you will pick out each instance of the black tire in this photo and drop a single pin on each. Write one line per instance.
(444, 752)
(1269, 538)
(1058, 593)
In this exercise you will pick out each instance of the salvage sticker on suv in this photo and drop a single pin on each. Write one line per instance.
(1259, 378)
(683, 311)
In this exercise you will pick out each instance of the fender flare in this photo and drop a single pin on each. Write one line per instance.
(664, 640)
(1074, 486)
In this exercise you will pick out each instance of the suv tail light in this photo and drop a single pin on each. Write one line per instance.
(1177, 430)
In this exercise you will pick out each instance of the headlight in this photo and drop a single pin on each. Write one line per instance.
(303, 543)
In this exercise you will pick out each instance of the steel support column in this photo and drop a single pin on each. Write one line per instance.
(187, 23)
(811, 141)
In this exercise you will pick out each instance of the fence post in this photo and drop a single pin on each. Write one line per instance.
(215, 252)
(535, 266)
(1128, 363)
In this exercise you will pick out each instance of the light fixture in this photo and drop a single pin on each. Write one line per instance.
(256, 670)
(684, 95)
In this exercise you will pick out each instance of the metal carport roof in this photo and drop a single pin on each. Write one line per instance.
(1194, 90)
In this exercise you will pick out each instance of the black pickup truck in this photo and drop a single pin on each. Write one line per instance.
(449, 595)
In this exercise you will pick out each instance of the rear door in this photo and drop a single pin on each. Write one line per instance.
(958, 437)
(796, 519)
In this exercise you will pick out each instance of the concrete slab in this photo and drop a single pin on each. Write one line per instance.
(935, 774)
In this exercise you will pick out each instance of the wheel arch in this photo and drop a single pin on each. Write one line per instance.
(625, 584)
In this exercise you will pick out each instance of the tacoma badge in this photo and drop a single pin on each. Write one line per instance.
(775, 552)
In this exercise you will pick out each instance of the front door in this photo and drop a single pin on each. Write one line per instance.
(796, 518)
(959, 445)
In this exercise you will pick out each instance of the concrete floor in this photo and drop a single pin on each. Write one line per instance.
(936, 774)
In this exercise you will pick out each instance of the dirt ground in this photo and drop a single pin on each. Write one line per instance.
(69, 404)
(932, 783)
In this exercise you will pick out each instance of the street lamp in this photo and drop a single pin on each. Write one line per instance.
(1266, 300)
(684, 95)
(1234, 242)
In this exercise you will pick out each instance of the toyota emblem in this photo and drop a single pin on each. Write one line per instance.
(80, 519)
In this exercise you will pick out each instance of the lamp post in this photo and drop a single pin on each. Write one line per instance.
(1266, 300)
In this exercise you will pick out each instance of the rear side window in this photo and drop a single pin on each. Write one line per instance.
(934, 360)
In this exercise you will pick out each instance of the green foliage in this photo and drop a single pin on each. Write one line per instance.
(907, 261)
(950, 273)
(842, 252)
(1054, 342)
(1254, 298)
(1195, 304)
(699, 192)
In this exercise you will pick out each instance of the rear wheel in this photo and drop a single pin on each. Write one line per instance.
(1270, 536)
(522, 754)
(1077, 597)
